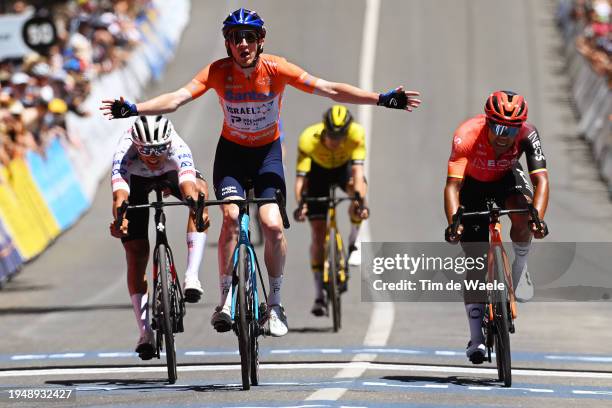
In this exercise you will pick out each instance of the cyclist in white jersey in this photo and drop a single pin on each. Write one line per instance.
(151, 152)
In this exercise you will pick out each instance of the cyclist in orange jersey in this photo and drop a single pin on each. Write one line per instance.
(484, 163)
(250, 87)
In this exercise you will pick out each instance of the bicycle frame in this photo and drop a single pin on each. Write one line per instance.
(243, 239)
(331, 224)
(162, 239)
(495, 240)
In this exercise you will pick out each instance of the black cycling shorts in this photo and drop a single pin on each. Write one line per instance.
(474, 195)
(140, 187)
(319, 180)
(237, 166)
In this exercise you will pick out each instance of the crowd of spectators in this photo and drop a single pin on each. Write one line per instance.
(588, 23)
(36, 91)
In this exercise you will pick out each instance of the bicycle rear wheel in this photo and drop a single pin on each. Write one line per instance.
(334, 291)
(502, 334)
(165, 278)
(242, 328)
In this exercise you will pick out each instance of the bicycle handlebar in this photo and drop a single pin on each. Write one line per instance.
(494, 212)
(305, 199)
(198, 207)
(279, 199)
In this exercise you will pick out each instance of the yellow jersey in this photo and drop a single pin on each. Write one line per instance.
(311, 148)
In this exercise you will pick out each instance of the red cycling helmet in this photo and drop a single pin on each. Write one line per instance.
(506, 108)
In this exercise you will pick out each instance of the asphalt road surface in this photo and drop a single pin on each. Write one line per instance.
(66, 318)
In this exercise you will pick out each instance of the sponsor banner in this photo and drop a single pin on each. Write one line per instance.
(57, 182)
(10, 261)
(439, 272)
(11, 38)
(22, 208)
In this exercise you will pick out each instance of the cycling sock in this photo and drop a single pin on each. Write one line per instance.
(317, 271)
(274, 297)
(140, 303)
(521, 251)
(225, 286)
(475, 313)
(354, 232)
(195, 250)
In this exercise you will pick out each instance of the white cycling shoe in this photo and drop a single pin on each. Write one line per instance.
(524, 289)
(277, 321)
(355, 255)
(193, 290)
(476, 352)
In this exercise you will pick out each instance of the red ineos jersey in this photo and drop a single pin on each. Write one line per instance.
(472, 154)
(126, 162)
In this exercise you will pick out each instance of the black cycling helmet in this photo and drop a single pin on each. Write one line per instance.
(337, 121)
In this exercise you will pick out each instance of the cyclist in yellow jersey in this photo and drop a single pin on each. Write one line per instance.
(330, 152)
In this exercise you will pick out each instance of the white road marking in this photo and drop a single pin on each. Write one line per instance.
(588, 392)
(29, 357)
(117, 354)
(381, 320)
(581, 358)
(365, 365)
(332, 392)
(67, 355)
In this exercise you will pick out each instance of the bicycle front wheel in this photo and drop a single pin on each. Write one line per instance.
(334, 291)
(167, 320)
(502, 334)
(242, 329)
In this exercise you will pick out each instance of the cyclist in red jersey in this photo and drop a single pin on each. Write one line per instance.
(484, 163)
(250, 86)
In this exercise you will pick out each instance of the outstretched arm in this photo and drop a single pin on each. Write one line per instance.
(345, 93)
(165, 103)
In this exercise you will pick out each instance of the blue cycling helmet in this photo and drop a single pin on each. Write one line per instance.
(244, 18)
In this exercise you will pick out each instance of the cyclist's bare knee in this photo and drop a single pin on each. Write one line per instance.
(271, 221)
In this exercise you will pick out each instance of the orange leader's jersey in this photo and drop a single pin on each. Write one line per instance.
(251, 105)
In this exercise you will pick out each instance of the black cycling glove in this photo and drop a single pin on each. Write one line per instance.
(123, 109)
(393, 99)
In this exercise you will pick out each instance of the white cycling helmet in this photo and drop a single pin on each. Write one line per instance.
(152, 131)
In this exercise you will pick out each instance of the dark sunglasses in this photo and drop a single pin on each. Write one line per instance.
(250, 36)
(503, 130)
(152, 150)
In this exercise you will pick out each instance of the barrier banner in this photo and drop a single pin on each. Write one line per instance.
(57, 182)
(23, 210)
(11, 40)
(10, 261)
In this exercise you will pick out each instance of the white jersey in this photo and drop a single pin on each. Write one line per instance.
(127, 163)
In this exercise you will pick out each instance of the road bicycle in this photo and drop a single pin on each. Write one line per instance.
(335, 266)
(168, 306)
(247, 313)
(500, 306)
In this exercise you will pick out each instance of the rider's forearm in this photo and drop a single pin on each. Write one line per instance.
(119, 197)
(540, 195)
(188, 189)
(165, 103)
(451, 198)
(299, 188)
(345, 93)
(358, 180)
